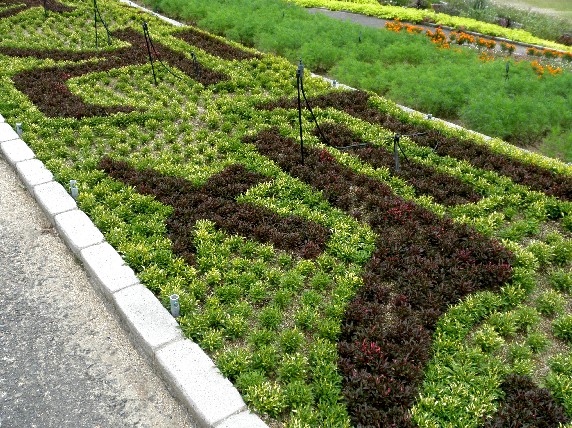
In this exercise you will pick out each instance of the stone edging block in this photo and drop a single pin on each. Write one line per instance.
(7, 133)
(108, 270)
(53, 199)
(33, 172)
(16, 150)
(1, 119)
(77, 230)
(243, 420)
(149, 323)
(213, 399)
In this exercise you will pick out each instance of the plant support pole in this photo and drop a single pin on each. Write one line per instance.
(299, 76)
(396, 151)
(146, 32)
(95, 21)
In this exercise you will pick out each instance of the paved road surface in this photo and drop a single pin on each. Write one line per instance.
(64, 360)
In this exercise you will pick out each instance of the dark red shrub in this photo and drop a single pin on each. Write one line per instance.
(422, 264)
(525, 405)
(22, 5)
(356, 103)
(47, 89)
(213, 46)
(215, 201)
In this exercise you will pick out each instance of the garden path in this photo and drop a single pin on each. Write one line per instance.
(373, 22)
(65, 361)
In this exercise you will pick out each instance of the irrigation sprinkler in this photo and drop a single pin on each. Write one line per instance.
(175, 307)
(19, 129)
(507, 69)
(74, 190)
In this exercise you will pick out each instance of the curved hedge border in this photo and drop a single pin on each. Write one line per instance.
(357, 104)
(422, 265)
(417, 16)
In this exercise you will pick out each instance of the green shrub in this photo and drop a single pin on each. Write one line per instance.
(297, 394)
(233, 362)
(526, 318)
(291, 340)
(282, 299)
(293, 367)
(261, 337)
(561, 364)
(562, 328)
(265, 359)
(503, 323)
(488, 339)
(270, 317)
(550, 303)
(537, 341)
(561, 280)
(212, 340)
(267, 398)
(305, 318)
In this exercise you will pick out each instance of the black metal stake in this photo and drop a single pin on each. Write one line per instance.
(196, 64)
(396, 138)
(95, 21)
(146, 32)
(299, 76)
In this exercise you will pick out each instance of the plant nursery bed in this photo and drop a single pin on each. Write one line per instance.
(332, 288)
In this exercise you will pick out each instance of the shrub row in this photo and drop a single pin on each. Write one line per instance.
(444, 188)
(213, 45)
(215, 201)
(356, 103)
(526, 405)
(47, 88)
(22, 5)
(421, 266)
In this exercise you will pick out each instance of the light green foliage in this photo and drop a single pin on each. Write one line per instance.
(562, 328)
(550, 303)
(561, 280)
(269, 319)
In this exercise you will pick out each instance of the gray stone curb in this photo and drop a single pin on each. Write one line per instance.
(33, 173)
(77, 230)
(188, 372)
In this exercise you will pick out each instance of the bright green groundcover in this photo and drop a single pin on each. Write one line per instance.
(269, 318)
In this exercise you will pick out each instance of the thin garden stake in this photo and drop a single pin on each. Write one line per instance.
(96, 14)
(150, 46)
(146, 33)
(299, 75)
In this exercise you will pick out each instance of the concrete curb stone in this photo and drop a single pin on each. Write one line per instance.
(77, 230)
(202, 385)
(15, 150)
(7, 133)
(33, 172)
(53, 199)
(148, 322)
(107, 269)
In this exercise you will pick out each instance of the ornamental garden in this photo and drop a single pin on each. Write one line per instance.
(332, 288)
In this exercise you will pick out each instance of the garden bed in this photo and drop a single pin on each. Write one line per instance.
(334, 291)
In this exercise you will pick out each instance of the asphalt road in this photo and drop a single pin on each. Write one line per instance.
(65, 361)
